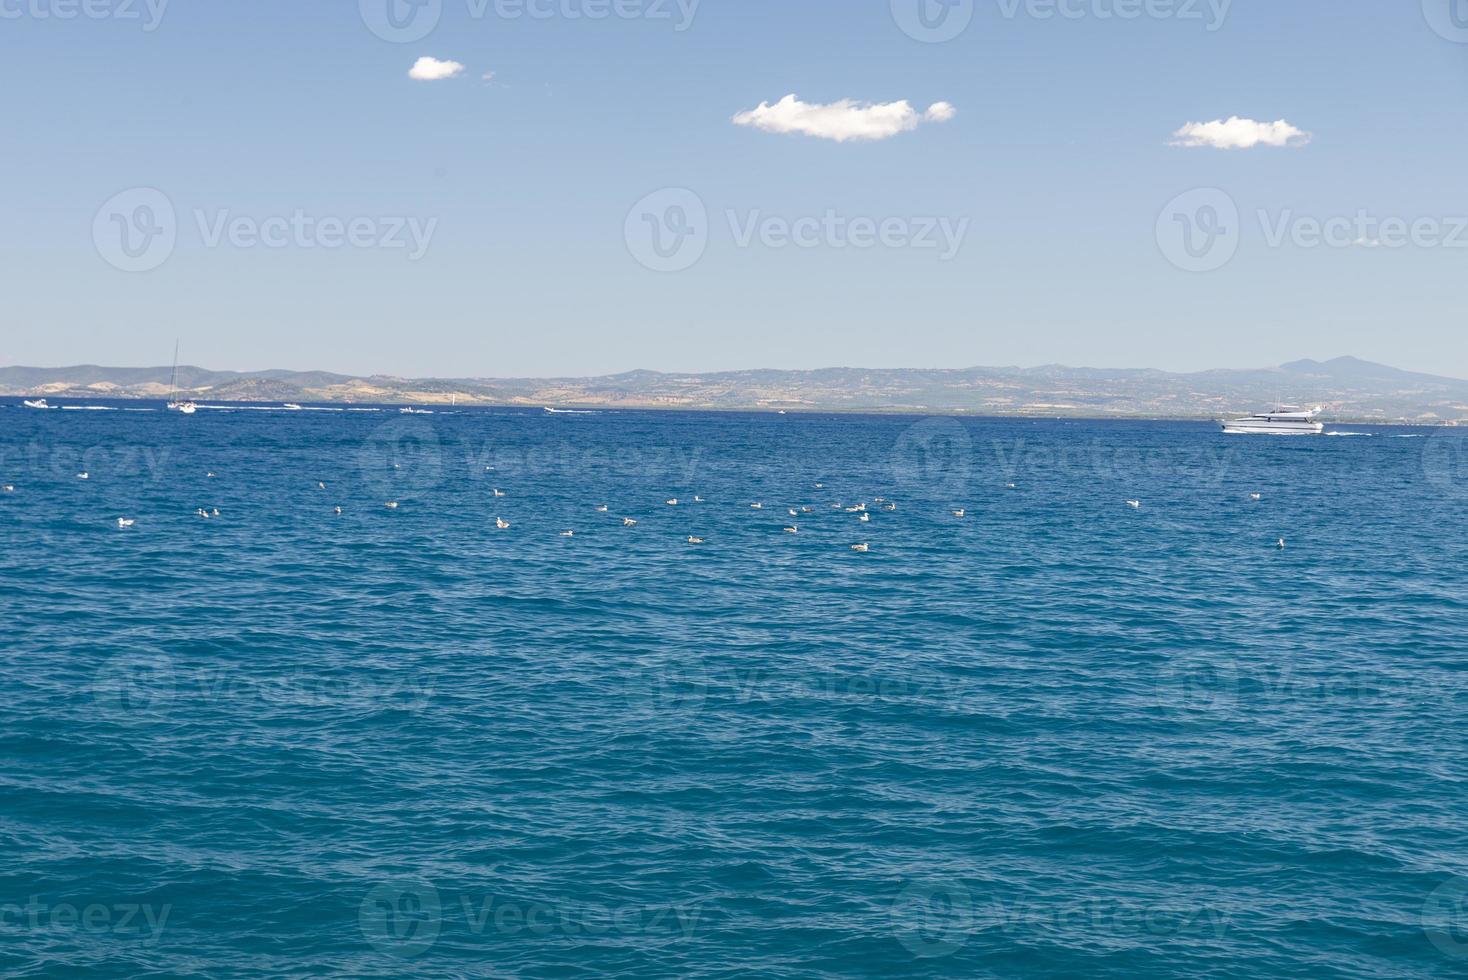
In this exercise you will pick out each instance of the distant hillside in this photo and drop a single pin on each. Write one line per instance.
(1351, 388)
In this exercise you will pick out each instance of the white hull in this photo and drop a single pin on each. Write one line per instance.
(39, 403)
(1273, 428)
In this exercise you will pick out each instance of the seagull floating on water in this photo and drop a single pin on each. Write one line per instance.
(1280, 544)
(84, 476)
(209, 475)
(672, 503)
(861, 547)
(338, 510)
(568, 534)
(9, 488)
(757, 506)
(1256, 496)
(960, 512)
(865, 517)
(501, 523)
(498, 492)
(1134, 504)
(319, 486)
(392, 505)
(698, 500)
(890, 507)
(793, 529)
(125, 522)
(602, 509)
(693, 540)
(628, 522)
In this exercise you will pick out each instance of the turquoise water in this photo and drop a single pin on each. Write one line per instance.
(1060, 736)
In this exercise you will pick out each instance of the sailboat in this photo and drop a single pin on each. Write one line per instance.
(186, 407)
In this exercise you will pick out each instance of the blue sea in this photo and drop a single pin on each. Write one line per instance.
(1060, 736)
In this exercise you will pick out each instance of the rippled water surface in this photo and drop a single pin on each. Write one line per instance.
(1058, 736)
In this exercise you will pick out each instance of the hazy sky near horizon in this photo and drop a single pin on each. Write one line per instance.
(561, 193)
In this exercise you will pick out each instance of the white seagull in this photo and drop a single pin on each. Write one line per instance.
(1279, 544)
(125, 522)
(1134, 504)
(793, 529)
(960, 512)
(757, 506)
(693, 540)
(1256, 496)
(9, 488)
(865, 517)
(568, 534)
(501, 523)
(602, 509)
(392, 505)
(84, 476)
(861, 547)
(338, 510)
(498, 492)
(673, 502)
(628, 522)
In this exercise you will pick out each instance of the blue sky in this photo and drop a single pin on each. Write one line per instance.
(1058, 165)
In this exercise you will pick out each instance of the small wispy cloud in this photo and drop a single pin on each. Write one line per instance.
(1234, 133)
(843, 120)
(428, 69)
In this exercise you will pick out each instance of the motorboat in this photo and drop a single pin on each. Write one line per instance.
(1283, 420)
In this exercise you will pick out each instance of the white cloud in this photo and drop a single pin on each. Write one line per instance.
(1239, 134)
(841, 121)
(427, 69)
(941, 112)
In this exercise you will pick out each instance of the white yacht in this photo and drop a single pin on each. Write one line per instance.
(184, 406)
(1285, 420)
(38, 403)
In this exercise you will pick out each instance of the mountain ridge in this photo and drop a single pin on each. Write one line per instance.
(1352, 387)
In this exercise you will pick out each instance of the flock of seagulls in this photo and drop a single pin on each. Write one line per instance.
(860, 510)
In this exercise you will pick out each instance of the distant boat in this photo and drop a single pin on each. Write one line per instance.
(291, 406)
(410, 410)
(1284, 420)
(38, 403)
(186, 406)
